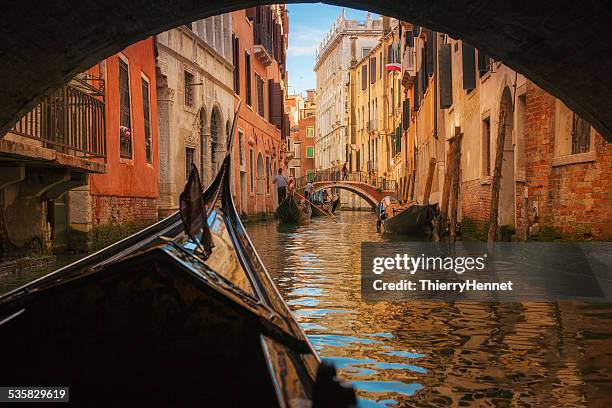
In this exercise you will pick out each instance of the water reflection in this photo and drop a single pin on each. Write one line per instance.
(432, 353)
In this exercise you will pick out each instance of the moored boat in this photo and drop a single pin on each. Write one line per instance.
(290, 212)
(320, 209)
(180, 313)
(412, 220)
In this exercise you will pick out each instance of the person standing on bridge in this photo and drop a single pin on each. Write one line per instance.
(344, 172)
(281, 185)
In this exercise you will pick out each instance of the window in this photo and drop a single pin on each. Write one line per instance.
(364, 77)
(241, 147)
(581, 135)
(310, 152)
(373, 70)
(380, 59)
(297, 150)
(236, 57)
(247, 70)
(259, 83)
(146, 113)
(125, 113)
(365, 51)
(189, 156)
(310, 131)
(486, 147)
(251, 170)
(268, 174)
(189, 82)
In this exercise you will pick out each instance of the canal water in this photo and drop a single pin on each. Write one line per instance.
(428, 353)
(433, 353)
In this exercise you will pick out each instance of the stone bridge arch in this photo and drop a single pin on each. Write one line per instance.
(534, 41)
(363, 191)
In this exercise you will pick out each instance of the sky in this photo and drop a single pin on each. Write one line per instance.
(308, 25)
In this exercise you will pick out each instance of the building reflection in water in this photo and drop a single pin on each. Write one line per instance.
(434, 353)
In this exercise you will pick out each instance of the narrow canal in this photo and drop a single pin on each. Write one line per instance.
(433, 354)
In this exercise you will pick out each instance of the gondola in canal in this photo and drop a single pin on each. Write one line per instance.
(335, 203)
(182, 313)
(290, 212)
(411, 220)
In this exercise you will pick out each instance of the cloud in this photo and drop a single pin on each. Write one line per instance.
(301, 50)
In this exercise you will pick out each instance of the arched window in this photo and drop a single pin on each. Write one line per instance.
(216, 141)
(202, 125)
(228, 129)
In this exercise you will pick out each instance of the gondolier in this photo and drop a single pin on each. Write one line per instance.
(281, 185)
(308, 189)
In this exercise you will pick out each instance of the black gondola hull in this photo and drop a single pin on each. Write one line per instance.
(288, 212)
(414, 220)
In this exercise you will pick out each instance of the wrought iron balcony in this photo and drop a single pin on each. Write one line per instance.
(70, 120)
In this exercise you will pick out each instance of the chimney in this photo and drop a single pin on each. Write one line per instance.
(353, 50)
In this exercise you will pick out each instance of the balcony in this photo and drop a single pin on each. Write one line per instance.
(262, 55)
(70, 121)
(408, 66)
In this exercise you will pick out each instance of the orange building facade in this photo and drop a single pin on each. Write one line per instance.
(259, 45)
(124, 198)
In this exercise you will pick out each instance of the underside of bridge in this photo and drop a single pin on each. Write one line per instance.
(371, 197)
(563, 46)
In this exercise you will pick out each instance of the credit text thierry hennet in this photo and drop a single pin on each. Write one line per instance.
(411, 264)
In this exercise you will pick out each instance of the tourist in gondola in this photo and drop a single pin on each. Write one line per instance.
(281, 185)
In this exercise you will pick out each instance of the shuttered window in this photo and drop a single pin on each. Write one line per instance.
(259, 83)
(406, 114)
(446, 76)
(236, 57)
(275, 103)
(429, 45)
(309, 152)
(469, 66)
(581, 135)
(247, 74)
(189, 81)
(364, 77)
(373, 70)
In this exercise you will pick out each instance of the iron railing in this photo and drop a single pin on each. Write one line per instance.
(354, 176)
(70, 120)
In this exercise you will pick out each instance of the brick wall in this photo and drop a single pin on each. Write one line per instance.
(572, 201)
(121, 210)
(475, 207)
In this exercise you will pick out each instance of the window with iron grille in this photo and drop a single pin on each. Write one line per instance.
(146, 112)
(241, 147)
(189, 156)
(581, 135)
(125, 114)
(259, 83)
(189, 82)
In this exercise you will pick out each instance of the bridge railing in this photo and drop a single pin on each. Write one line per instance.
(318, 176)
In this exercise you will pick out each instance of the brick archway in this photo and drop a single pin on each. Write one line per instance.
(40, 53)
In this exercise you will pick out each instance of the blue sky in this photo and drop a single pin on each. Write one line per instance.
(308, 24)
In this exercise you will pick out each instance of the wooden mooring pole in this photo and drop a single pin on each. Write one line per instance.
(456, 185)
(496, 182)
(446, 189)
